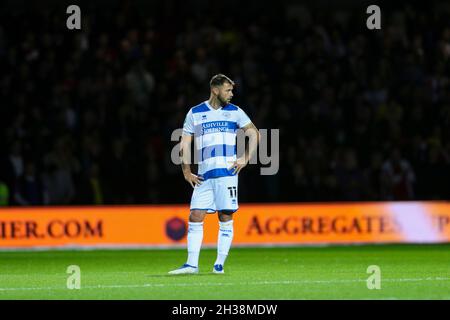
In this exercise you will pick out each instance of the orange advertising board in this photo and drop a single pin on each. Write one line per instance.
(254, 224)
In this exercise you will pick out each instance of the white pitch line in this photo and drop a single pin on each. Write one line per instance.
(215, 284)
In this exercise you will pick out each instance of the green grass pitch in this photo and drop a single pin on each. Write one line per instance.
(407, 272)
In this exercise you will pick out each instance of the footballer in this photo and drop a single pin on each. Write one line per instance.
(212, 126)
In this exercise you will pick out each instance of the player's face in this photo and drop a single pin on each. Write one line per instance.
(225, 93)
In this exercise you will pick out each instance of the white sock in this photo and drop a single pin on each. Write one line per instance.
(224, 241)
(194, 242)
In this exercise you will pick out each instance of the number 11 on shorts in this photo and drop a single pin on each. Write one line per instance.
(233, 192)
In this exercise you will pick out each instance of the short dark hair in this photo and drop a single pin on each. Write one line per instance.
(220, 79)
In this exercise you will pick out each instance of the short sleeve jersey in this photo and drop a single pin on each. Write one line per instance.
(214, 131)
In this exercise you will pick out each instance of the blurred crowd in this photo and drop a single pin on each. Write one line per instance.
(86, 116)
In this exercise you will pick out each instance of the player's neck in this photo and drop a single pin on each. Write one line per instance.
(215, 103)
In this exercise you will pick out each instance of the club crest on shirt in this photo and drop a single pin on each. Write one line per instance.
(204, 117)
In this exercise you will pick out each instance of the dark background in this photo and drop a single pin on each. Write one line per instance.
(86, 116)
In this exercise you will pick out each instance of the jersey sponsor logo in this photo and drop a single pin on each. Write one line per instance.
(216, 126)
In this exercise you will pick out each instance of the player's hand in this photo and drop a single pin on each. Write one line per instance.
(193, 179)
(238, 165)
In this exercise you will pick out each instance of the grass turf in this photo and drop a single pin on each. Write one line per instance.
(407, 272)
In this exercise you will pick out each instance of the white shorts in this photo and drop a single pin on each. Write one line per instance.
(216, 194)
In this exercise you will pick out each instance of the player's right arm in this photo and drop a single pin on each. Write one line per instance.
(185, 153)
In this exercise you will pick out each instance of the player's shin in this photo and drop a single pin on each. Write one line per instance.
(224, 240)
(194, 242)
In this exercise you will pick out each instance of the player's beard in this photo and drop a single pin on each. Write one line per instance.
(223, 101)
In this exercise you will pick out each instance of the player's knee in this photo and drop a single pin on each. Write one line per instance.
(225, 215)
(196, 216)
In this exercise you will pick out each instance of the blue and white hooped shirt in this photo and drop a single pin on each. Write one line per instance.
(215, 137)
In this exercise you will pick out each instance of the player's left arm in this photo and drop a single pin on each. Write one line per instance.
(253, 135)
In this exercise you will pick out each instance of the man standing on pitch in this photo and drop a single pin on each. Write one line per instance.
(213, 125)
